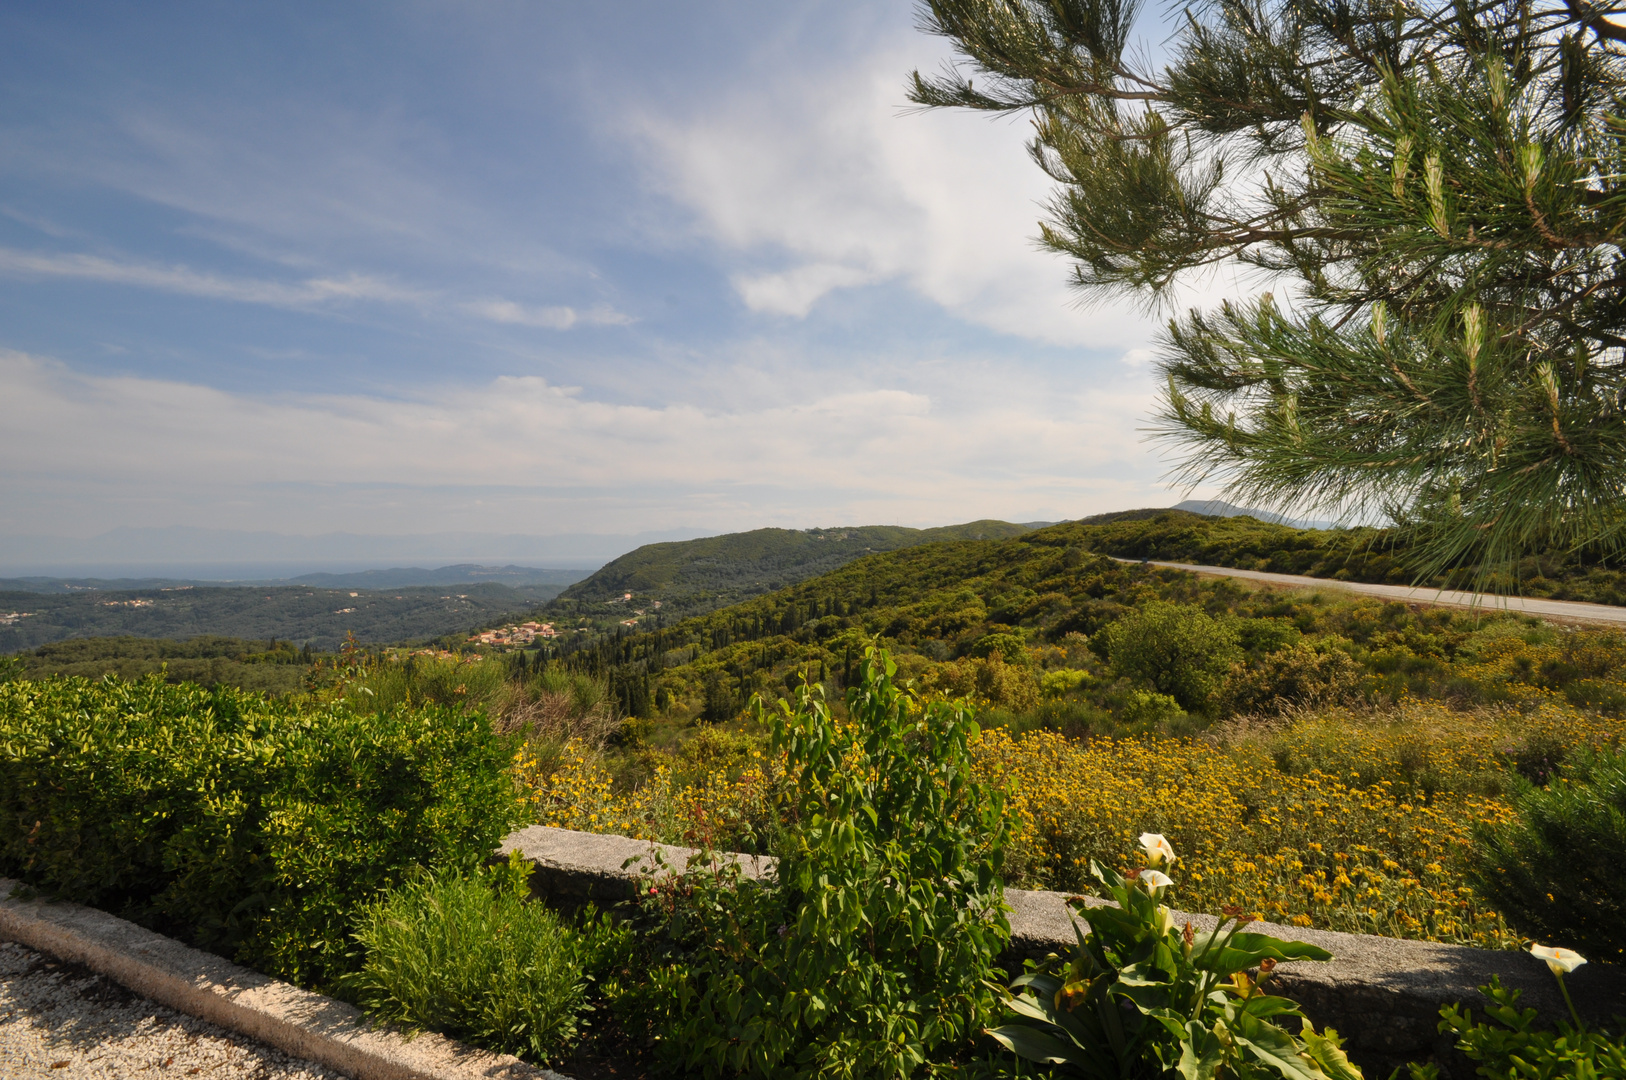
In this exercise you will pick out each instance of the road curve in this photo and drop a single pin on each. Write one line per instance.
(1567, 610)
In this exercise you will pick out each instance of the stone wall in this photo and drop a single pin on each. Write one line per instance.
(1382, 994)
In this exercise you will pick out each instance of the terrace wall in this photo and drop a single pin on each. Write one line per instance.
(1382, 994)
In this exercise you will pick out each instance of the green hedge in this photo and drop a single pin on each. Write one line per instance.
(255, 828)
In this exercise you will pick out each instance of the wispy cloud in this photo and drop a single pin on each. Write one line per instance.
(306, 293)
(552, 318)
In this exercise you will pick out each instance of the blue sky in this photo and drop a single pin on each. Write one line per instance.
(531, 268)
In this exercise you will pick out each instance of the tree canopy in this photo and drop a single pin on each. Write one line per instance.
(1433, 195)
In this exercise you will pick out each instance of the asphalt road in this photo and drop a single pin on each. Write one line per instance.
(1566, 610)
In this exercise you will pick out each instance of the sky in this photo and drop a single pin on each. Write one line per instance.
(532, 268)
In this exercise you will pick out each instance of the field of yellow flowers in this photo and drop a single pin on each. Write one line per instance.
(1343, 820)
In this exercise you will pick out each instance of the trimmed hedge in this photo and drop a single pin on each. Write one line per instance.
(254, 828)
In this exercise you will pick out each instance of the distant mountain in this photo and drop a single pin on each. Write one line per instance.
(1219, 508)
(461, 574)
(694, 576)
(395, 578)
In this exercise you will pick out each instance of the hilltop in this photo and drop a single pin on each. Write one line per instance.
(690, 577)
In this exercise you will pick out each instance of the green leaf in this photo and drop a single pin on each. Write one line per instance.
(1324, 1051)
(1202, 1055)
(1034, 1045)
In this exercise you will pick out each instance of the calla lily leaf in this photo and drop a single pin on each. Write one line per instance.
(1034, 1045)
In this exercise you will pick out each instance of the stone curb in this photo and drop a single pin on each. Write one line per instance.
(210, 988)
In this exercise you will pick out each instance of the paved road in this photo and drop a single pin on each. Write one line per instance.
(60, 1020)
(1568, 610)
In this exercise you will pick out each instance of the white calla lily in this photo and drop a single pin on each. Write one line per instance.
(1159, 852)
(1155, 879)
(1559, 961)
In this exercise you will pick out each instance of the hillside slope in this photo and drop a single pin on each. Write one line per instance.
(694, 576)
(999, 618)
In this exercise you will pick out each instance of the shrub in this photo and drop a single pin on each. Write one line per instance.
(1555, 872)
(868, 956)
(1510, 1045)
(429, 680)
(1151, 711)
(1177, 649)
(1299, 675)
(251, 827)
(470, 956)
(1008, 647)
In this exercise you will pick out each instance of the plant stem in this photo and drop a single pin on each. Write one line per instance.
(1566, 992)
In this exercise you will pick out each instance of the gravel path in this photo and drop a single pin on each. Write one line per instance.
(61, 1021)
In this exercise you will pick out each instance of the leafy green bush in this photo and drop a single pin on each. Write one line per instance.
(868, 956)
(472, 957)
(1511, 1046)
(1177, 649)
(251, 827)
(1141, 997)
(1150, 711)
(1300, 674)
(1555, 873)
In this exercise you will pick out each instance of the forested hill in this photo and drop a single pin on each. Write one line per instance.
(945, 601)
(690, 577)
(933, 604)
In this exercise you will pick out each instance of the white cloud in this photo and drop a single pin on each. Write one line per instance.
(796, 291)
(552, 318)
(520, 454)
(310, 292)
(180, 279)
(823, 171)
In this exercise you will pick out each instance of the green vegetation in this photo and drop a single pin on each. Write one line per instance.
(691, 577)
(1555, 872)
(472, 957)
(1141, 997)
(1508, 1043)
(869, 955)
(1022, 624)
(1438, 186)
(273, 667)
(322, 618)
(254, 828)
(1350, 749)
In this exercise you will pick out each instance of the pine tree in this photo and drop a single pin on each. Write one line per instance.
(1433, 194)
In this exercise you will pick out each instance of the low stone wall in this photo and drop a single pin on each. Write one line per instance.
(1382, 994)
